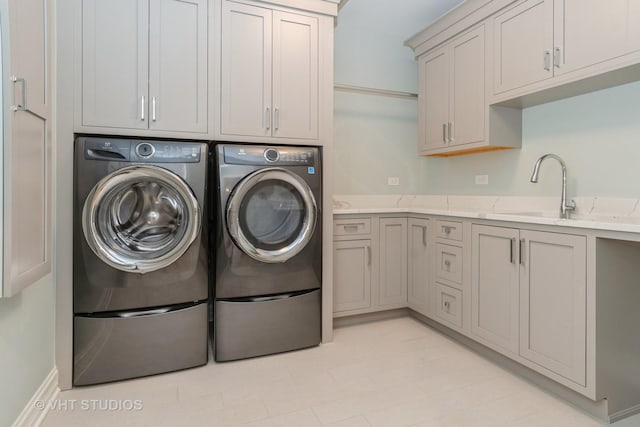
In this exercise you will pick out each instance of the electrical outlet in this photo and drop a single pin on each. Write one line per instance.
(393, 180)
(482, 179)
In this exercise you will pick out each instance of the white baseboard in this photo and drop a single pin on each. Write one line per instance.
(31, 416)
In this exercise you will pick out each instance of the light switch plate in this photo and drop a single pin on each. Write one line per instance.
(482, 179)
(393, 180)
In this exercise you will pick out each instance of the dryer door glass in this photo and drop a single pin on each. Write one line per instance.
(141, 218)
(271, 215)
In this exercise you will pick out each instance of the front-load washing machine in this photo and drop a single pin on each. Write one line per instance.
(140, 270)
(268, 249)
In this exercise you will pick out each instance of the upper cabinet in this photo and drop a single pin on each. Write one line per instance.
(540, 40)
(26, 148)
(150, 74)
(453, 114)
(269, 73)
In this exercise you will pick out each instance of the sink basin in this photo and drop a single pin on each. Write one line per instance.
(537, 214)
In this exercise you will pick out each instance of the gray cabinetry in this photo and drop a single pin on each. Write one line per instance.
(26, 153)
(418, 265)
(393, 263)
(352, 275)
(150, 74)
(269, 73)
(529, 297)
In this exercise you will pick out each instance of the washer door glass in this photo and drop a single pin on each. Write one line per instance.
(271, 215)
(140, 218)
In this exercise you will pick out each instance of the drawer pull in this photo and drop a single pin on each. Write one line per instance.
(447, 264)
(447, 306)
(446, 229)
(350, 227)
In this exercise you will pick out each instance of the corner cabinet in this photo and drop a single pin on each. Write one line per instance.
(529, 297)
(453, 113)
(418, 265)
(26, 151)
(149, 75)
(269, 73)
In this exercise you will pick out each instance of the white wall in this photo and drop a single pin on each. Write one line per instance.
(597, 135)
(375, 137)
(26, 346)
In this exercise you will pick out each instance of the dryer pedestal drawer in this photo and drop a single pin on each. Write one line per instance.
(254, 328)
(115, 348)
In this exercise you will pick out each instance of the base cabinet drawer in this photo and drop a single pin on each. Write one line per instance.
(448, 307)
(449, 263)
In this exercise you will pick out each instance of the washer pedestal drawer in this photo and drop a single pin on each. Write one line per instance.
(116, 348)
(247, 328)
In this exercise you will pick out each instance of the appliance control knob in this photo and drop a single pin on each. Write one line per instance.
(145, 150)
(271, 155)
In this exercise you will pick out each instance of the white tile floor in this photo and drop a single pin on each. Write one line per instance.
(390, 373)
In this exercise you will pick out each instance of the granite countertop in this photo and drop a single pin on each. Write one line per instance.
(591, 212)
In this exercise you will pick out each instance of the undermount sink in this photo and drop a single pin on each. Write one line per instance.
(537, 214)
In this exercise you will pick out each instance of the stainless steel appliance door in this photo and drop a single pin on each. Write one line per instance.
(140, 219)
(271, 215)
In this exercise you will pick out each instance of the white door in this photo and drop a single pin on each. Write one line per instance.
(246, 70)
(178, 65)
(295, 76)
(115, 63)
(418, 265)
(467, 107)
(393, 262)
(434, 100)
(523, 45)
(591, 31)
(26, 153)
(553, 302)
(494, 286)
(351, 275)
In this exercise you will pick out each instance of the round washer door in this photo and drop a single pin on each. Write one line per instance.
(140, 218)
(271, 215)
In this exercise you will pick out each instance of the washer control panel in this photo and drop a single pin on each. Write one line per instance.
(276, 156)
(141, 151)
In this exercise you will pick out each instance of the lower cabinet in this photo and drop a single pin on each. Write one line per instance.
(351, 275)
(370, 264)
(528, 292)
(418, 265)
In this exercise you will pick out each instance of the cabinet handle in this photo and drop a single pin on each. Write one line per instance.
(447, 305)
(18, 106)
(153, 108)
(267, 118)
(142, 108)
(276, 118)
(556, 57)
(424, 235)
(368, 255)
(447, 264)
(446, 229)
(450, 126)
(444, 133)
(351, 227)
(512, 254)
(547, 60)
(521, 252)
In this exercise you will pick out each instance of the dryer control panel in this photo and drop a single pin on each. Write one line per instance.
(263, 156)
(141, 151)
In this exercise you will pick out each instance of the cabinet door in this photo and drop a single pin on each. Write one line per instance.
(393, 262)
(178, 65)
(351, 275)
(295, 76)
(26, 153)
(434, 101)
(592, 31)
(418, 265)
(115, 68)
(467, 107)
(553, 302)
(494, 286)
(246, 70)
(523, 43)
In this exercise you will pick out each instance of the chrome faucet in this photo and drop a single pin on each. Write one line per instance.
(565, 208)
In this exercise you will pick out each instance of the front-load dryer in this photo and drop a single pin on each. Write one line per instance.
(140, 273)
(268, 249)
